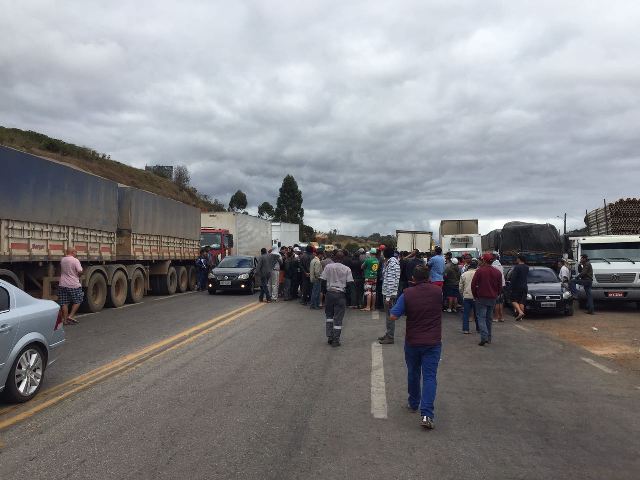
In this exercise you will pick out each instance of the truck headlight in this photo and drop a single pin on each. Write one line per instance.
(566, 295)
(243, 276)
(529, 297)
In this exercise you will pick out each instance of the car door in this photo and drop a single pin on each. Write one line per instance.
(9, 321)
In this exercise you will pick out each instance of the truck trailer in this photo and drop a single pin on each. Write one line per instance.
(285, 234)
(231, 233)
(129, 241)
(408, 240)
(458, 227)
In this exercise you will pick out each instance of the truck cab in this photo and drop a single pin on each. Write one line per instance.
(616, 266)
(219, 240)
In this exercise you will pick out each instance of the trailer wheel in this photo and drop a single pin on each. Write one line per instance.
(96, 294)
(117, 290)
(135, 292)
(182, 279)
(192, 278)
(167, 284)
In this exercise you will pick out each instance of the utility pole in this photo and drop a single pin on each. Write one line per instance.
(565, 223)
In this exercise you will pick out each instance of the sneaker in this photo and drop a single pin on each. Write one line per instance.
(466, 332)
(329, 340)
(382, 337)
(427, 423)
(482, 343)
(449, 310)
(335, 342)
(494, 320)
(386, 341)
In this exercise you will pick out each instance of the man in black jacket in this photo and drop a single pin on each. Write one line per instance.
(305, 266)
(584, 278)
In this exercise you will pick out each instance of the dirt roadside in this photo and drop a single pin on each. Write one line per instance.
(613, 332)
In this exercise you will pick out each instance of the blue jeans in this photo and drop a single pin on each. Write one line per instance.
(586, 284)
(422, 362)
(468, 305)
(315, 294)
(484, 315)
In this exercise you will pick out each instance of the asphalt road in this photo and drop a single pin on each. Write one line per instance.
(264, 397)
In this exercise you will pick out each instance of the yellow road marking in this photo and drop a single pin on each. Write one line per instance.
(126, 362)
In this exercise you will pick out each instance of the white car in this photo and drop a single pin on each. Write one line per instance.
(31, 334)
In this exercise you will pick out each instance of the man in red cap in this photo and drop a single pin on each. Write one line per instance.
(486, 287)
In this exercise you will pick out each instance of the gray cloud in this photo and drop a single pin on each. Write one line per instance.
(389, 114)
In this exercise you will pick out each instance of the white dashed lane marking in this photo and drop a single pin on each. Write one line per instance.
(378, 389)
(524, 329)
(598, 365)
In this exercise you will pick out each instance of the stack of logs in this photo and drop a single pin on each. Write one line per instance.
(618, 218)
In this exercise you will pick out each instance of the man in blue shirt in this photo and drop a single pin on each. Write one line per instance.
(436, 266)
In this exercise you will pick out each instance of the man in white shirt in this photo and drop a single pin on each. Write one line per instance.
(69, 286)
(337, 276)
(565, 273)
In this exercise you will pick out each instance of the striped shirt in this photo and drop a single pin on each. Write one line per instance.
(391, 277)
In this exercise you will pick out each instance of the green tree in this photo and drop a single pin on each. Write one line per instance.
(351, 247)
(181, 176)
(289, 205)
(266, 211)
(307, 234)
(238, 201)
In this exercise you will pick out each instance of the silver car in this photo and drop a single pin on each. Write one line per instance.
(31, 334)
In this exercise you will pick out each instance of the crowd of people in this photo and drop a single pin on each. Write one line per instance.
(419, 286)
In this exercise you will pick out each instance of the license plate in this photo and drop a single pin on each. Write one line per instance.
(548, 304)
(225, 282)
(615, 294)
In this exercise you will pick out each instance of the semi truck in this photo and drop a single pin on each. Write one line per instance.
(232, 233)
(460, 245)
(615, 260)
(458, 227)
(408, 240)
(129, 241)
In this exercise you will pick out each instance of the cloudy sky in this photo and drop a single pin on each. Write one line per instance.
(389, 114)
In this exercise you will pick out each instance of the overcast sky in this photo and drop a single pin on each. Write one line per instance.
(389, 114)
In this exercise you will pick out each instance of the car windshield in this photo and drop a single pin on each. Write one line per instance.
(600, 252)
(208, 239)
(236, 262)
(541, 275)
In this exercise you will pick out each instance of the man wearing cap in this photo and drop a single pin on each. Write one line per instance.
(337, 276)
(370, 267)
(421, 304)
(485, 286)
(468, 304)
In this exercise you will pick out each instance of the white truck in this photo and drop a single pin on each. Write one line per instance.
(461, 244)
(616, 267)
(285, 234)
(248, 234)
(409, 240)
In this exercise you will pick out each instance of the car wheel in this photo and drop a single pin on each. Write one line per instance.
(568, 311)
(250, 288)
(26, 375)
(582, 303)
(211, 291)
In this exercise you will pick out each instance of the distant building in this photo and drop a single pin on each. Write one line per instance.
(165, 171)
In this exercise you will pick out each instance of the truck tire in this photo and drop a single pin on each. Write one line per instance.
(135, 292)
(166, 284)
(182, 279)
(96, 293)
(117, 290)
(193, 278)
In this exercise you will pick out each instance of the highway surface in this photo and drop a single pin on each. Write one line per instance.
(205, 387)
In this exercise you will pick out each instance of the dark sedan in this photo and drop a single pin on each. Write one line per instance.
(235, 273)
(546, 292)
